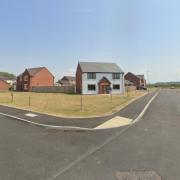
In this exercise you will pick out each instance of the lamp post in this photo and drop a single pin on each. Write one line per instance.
(148, 80)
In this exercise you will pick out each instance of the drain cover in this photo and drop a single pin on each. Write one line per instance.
(138, 175)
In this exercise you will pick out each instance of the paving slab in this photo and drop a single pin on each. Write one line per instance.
(115, 122)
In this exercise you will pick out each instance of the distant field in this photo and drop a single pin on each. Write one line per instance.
(68, 105)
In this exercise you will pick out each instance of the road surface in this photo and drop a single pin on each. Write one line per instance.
(152, 144)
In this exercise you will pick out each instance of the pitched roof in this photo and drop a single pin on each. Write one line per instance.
(20, 75)
(140, 76)
(33, 71)
(104, 79)
(100, 67)
(69, 78)
(6, 78)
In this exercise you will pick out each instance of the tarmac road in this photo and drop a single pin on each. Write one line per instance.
(33, 153)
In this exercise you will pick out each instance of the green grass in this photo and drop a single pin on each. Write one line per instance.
(68, 105)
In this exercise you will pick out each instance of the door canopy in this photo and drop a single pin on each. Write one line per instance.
(104, 80)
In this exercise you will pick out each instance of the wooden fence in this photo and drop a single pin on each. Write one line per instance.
(55, 89)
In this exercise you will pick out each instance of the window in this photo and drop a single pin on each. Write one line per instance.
(116, 86)
(91, 87)
(26, 78)
(91, 75)
(116, 76)
(25, 86)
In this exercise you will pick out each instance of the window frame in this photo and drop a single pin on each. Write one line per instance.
(26, 78)
(119, 87)
(116, 76)
(91, 75)
(91, 89)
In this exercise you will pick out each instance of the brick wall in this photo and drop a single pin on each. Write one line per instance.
(132, 78)
(43, 78)
(79, 80)
(4, 86)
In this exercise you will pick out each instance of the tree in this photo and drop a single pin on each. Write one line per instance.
(7, 75)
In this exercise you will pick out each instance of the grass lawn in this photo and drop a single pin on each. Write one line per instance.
(68, 105)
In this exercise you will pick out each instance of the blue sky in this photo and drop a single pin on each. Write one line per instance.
(139, 35)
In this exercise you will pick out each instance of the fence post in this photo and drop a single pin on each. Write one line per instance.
(29, 100)
(127, 92)
(81, 103)
(12, 97)
(111, 96)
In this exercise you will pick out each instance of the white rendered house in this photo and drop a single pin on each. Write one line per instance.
(99, 78)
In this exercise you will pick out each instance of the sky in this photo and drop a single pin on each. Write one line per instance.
(138, 35)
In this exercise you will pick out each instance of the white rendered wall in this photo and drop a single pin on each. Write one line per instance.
(99, 76)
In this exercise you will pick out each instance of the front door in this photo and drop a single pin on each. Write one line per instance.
(104, 86)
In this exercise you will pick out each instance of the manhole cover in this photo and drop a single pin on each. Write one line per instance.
(138, 175)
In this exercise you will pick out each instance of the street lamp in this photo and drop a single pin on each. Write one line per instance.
(148, 79)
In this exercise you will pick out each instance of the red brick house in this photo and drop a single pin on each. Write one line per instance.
(138, 80)
(34, 77)
(4, 86)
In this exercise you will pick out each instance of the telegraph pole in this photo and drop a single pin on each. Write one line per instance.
(148, 80)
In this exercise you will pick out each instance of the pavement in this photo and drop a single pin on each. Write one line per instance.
(130, 112)
(150, 145)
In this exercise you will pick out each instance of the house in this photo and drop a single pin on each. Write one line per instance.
(128, 83)
(9, 80)
(67, 81)
(99, 78)
(34, 77)
(4, 86)
(138, 80)
(130, 86)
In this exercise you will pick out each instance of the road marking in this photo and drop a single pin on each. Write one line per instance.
(141, 175)
(145, 108)
(107, 141)
(31, 115)
(65, 128)
(71, 128)
(114, 123)
(87, 154)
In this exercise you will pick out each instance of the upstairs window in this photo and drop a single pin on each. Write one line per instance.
(116, 75)
(26, 78)
(91, 75)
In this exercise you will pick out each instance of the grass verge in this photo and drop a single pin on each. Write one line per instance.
(69, 105)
